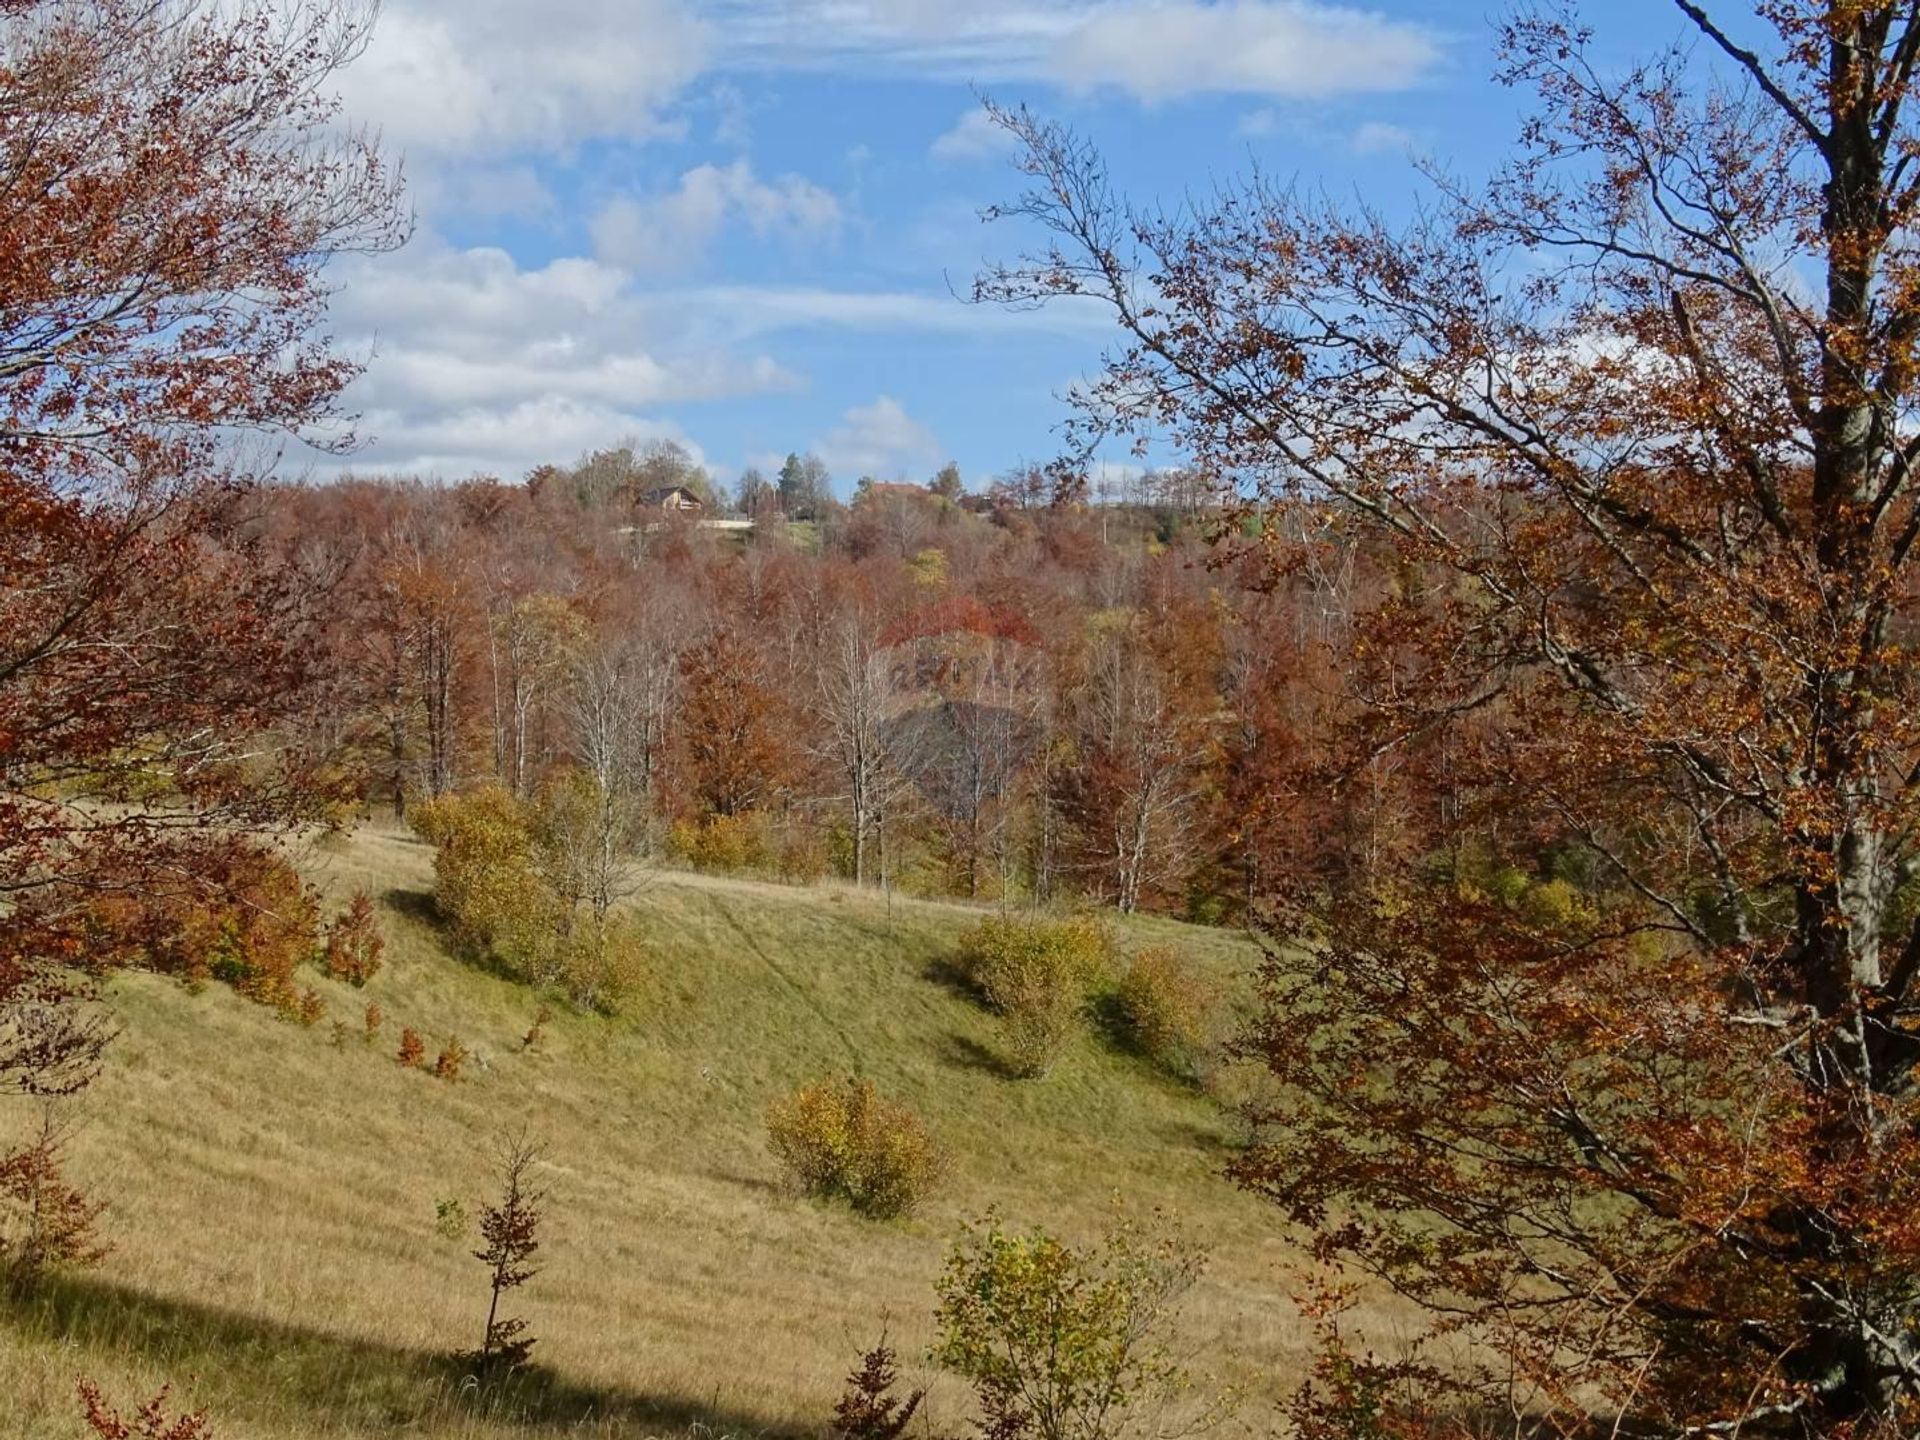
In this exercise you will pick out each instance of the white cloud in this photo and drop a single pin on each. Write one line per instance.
(470, 76)
(483, 191)
(974, 136)
(505, 443)
(478, 78)
(1153, 49)
(880, 439)
(668, 232)
(1156, 51)
(742, 311)
(1377, 138)
(1258, 124)
(478, 364)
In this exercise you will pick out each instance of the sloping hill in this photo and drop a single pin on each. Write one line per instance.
(273, 1191)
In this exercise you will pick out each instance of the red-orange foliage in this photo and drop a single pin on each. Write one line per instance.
(961, 614)
(413, 1049)
(354, 942)
(735, 727)
(446, 1065)
(373, 1018)
(511, 1232)
(248, 923)
(1611, 1061)
(45, 1221)
(174, 190)
(149, 1422)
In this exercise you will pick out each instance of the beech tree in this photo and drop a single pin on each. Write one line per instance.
(1616, 1078)
(854, 689)
(1133, 791)
(175, 183)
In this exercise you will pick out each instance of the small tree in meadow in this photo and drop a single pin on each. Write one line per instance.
(868, 1409)
(46, 1223)
(1063, 1343)
(354, 942)
(453, 1055)
(413, 1048)
(510, 1230)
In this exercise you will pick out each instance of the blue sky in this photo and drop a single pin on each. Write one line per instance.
(740, 223)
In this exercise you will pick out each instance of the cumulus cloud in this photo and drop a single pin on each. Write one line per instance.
(505, 443)
(484, 192)
(480, 364)
(974, 136)
(463, 77)
(878, 439)
(668, 232)
(1157, 51)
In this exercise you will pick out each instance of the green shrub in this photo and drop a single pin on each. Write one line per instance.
(1035, 973)
(1061, 1343)
(721, 843)
(507, 896)
(1169, 1008)
(603, 969)
(840, 1139)
(486, 884)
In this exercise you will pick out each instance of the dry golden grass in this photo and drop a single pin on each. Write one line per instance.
(273, 1194)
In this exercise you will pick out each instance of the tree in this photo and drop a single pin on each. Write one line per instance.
(1133, 793)
(752, 495)
(947, 483)
(804, 486)
(608, 712)
(868, 1409)
(45, 1222)
(535, 643)
(1616, 1077)
(175, 183)
(1062, 1343)
(852, 674)
(355, 942)
(735, 726)
(961, 723)
(510, 1236)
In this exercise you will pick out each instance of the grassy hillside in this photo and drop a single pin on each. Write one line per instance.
(273, 1193)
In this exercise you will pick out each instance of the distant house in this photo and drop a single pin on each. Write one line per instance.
(671, 500)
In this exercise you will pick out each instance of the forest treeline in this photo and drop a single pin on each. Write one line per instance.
(1005, 696)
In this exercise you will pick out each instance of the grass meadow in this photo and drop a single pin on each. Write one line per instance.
(273, 1187)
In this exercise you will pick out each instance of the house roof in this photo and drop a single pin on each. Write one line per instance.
(677, 495)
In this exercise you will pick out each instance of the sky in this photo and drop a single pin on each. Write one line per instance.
(745, 225)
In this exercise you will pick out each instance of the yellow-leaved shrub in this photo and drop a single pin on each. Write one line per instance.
(841, 1139)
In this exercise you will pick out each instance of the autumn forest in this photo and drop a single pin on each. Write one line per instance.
(1372, 895)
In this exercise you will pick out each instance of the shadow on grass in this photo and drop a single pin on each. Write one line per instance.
(965, 1053)
(416, 905)
(1112, 1023)
(945, 972)
(302, 1373)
